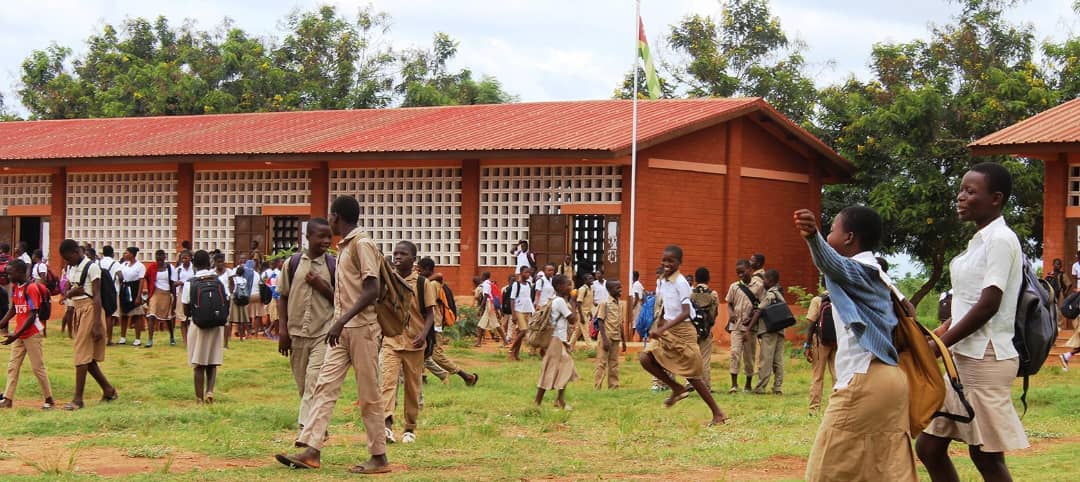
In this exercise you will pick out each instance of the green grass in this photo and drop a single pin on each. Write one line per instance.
(490, 432)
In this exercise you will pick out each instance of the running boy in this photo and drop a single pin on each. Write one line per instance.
(438, 355)
(26, 297)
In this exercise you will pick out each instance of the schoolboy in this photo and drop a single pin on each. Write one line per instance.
(586, 305)
(771, 343)
(609, 319)
(26, 341)
(741, 301)
(84, 278)
(438, 355)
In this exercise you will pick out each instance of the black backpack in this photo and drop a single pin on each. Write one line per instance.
(129, 295)
(266, 295)
(44, 312)
(450, 303)
(1070, 307)
(209, 308)
(107, 288)
(1035, 327)
(825, 327)
(705, 310)
(507, 308)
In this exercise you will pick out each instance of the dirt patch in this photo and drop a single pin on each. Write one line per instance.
(773, 468)
(62, 455)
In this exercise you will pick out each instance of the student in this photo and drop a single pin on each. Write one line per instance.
(185, 270)
(353, 340)
(711, 303)
(162, 279)
(567, 269)
(599, 288)
(489, 316)
(26, 297)
(40, 271)
(265, 277)
(224, 275)
(545, 292)
(609, 318)
(522, 306)
(89, 344)
(438, 355)
(770, 343)
(637, 293)
(757, 280)
(1076, 273)
(864, 433)
(557, 368)
(306, 312)
(404, 353)
(132, 287)
(585, 306)
(112, 266)
(205, 346)
(238, 314)
(741, 301)
(673, 346)
(523, 257)
(820, 353)
(507, 315)
(272, 309)
(22, 254)
(986, 281)
(256, 310)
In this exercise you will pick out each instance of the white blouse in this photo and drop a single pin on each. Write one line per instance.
(993, 258)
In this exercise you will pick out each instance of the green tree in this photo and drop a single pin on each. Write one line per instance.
(426, 80)
(1063, 60)
(743, 53)
(626, 90)
(907, 130)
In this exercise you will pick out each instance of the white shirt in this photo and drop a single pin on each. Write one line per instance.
(851, 357)
(993, 258)
(547, 290)
(132, 272)
(638, 290)
(600, 294)
(1076, 273)
(560, 314)
(39, 272)
(74, 274)
(522, 260)
(185, 292)
(161, 281)
(674, 293)
(106, 263)
(485, 288)
(275, 275)
(224, 279)
(522, 293)
(240, 284)
(25, 258)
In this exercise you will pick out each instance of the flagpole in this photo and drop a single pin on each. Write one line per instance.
(633, 142)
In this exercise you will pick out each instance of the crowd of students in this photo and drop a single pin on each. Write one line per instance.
(323, 311)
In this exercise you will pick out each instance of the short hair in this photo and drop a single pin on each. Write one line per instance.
(636, 275)
(742, 262)
(773, 275)
(133, 250)
(552, 265)
(91, 253)
(998, 178)
(239, 271)
(17, 265)
(486, 275)
(160, 252)
(23, 246)
(610, 284)
(559, 280)
(701, 275)
(316, 222)
(426, 263)
(219, 256)
(107, 251)
(186, 252)
(759, 256)
(201, 259)
(186, 245)
(347, 208)
(5, 247)
(883, 263)
(37, 253)
(865, 223)
(408, 245)
(66, 246)
(675, 250)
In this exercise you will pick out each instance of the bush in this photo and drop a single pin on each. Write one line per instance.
(466, 324)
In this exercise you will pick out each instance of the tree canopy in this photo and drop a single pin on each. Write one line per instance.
(325, 60)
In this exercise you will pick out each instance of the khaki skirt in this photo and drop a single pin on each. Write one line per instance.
(490, 319)
(1074, 340)
(161, 305)
(677, 351)
(238, 314)
(557, 369)
(864, 433)
(988, 387)
(205, 346)
(86, 348)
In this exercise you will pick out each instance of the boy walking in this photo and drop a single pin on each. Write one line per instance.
(438, 355)
(404, 354)
(609, 317)
(84, 283)
(820, 351)
(352, 340)
(772, 343)
(26, 340)
(523, 309)
(306, 312)
(741, 301)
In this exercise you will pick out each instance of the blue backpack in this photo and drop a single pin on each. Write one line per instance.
(644, 320)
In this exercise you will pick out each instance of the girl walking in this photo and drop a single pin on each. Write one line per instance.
(557, 369)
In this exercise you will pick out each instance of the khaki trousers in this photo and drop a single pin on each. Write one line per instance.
(607, 363)
(743, 352)
(358, 347)
(705, 346)
(306, 360)
(20, 349)
(581, 330)
(772, 361)
(411, 365)
(824, 357)
(439, 356)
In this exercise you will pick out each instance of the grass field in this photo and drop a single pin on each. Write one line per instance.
(489, 432)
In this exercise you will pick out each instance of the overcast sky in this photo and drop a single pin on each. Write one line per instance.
(540, 50)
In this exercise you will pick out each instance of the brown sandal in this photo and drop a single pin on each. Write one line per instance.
(364, 468)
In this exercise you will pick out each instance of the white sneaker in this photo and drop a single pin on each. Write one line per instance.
(137, 342)
(390, 436)
(1064, 362)
(122, 341)
(408, 438)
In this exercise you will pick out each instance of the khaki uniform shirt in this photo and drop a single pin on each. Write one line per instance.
(358, 259)
(436, 287)
(74, 275)
(612, 314)
(310, 313)
(585, 300)
(415, 326)
(566, 269)
(757, 284)
(740, 307)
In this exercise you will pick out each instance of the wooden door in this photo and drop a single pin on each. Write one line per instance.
(246, 229)
(7, 231)
(612, 256)
(548, 238)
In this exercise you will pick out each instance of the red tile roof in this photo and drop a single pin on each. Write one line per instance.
(1058, 125)
(596, 128)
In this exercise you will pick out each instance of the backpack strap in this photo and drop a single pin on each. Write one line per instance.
(294, 262)
(82, 278)
(331, 264)
(749, 294)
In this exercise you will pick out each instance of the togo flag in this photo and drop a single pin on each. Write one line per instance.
(650, 70)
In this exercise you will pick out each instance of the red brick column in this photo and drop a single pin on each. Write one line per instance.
(185, 203)
(470, 222)
(320, 190)
(1056, 178)
(57, 219)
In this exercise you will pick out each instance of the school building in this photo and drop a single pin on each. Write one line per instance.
(1052, 136)
(720, 177)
